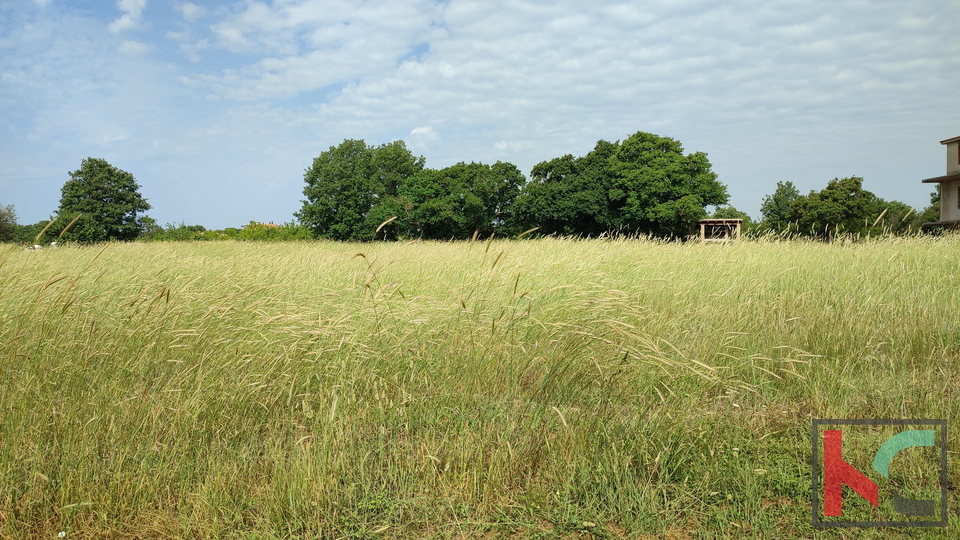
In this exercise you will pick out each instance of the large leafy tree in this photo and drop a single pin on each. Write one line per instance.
(355, 192)
(895, 218)
(841, 207)
(569, 195)
(497, 187)
(107, 201)
(645, 184)
(659, 190)
(460, 200)
(775, 209)
(434, 205)
(352, 188)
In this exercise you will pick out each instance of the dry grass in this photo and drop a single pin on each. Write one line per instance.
(548, 388)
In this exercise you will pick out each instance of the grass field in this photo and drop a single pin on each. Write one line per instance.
(520, 389)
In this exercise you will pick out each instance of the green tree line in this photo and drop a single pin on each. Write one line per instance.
(644, 185)
(843, 207)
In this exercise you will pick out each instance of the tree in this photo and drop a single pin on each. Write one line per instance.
(271, 232)
(352, 187)
(171, 232)
(931, 213)
(8, 223)
(895, 218)
(459, 200)
(107, 200)
(644, 184)
(661, 191)
(432, 206)
(27, 234)
(149, 228)
(568, 195)
(843, 206)
(497, 187)
(775, 209)
(729, 212)
(354, 190)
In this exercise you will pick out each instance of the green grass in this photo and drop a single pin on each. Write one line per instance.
(518, 389)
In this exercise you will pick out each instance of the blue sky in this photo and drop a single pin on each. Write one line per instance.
(217, 108)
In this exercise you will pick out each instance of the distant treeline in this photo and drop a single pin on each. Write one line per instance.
(644, 185)
(272, 232)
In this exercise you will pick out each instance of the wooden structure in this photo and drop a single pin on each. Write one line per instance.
(949, 187)
(719, 230)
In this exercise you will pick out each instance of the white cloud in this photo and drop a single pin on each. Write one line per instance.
(423, 138)
(114, 137)
(230, 37)
(310, 45)
(188, 46)
(133, 48)
(123, 23)
(131, 18)
(133, 7)
(190, 11)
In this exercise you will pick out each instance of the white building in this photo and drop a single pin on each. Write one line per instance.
(949, 187)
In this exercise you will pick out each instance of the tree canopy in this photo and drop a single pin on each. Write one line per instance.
(844, 207)
(645, 184)
(352, 187)
(931, 213)
(775, 209)
(107, 201)
(569, 195)
(730, 212)
(355, 190)
(460, 200)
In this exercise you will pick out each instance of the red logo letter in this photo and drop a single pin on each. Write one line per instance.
(837, 472)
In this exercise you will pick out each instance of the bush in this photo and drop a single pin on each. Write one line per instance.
(271, 232)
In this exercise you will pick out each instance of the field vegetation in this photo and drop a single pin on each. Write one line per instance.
(543, 388)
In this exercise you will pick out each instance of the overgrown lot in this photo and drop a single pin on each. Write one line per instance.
(520, 389)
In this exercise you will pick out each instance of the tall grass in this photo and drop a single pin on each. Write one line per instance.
(524, 389)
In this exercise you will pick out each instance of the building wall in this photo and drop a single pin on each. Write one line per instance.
(953, 158)
(949, 200)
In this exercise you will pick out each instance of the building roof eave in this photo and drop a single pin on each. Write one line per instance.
(950, 140)
(945, 178)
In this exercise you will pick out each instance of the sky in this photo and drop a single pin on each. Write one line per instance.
(218, 108)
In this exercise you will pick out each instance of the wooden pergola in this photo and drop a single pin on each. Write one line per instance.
(719, 230)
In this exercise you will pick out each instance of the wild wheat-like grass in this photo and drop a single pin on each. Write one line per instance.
(490, 388)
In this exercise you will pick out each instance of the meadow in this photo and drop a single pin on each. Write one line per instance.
(505, 389)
